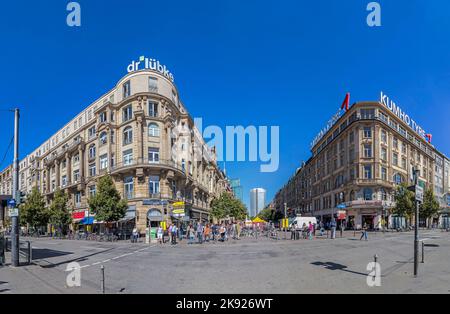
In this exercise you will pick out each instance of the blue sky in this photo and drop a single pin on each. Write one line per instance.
(286, 63)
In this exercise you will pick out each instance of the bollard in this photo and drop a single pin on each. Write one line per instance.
(102, 268)
(423, 252)
(375, 258)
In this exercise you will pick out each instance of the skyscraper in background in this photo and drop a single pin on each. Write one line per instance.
(237, 189)
(257, 201)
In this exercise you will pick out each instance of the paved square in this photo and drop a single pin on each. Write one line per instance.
(246, 266)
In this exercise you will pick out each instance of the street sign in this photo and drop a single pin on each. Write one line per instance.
(13, 212)
(12, 203)
(341, 206)
(419, 193)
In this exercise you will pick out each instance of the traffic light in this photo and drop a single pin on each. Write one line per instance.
(21, 198)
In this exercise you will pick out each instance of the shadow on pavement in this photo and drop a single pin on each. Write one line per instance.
(3, 290)
(335, 266)
(47, 253)
(78, 259)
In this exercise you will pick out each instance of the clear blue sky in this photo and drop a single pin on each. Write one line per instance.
(286, 63)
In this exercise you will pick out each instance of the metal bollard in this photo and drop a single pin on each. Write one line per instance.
(102, 268)
(375, 258)
(423, 252)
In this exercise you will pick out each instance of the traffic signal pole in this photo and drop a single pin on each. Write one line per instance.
(15, 189)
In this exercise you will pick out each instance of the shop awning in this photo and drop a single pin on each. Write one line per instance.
(87, 221)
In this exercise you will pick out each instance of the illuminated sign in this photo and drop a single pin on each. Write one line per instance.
(150, 64)
(395, 109)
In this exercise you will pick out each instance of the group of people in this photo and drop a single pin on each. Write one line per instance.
(200, 232)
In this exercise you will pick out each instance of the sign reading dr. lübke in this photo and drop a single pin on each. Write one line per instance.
(150, 64)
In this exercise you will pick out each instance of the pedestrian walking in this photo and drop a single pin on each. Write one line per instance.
(293, 229)
(159, 235)
(174, 234)
(200, 233)
(310, 230)
(207, 233)
(342, 228)
(191, 234)
(333, 228)
(364, 232)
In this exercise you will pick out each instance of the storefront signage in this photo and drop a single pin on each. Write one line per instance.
(154, 202)
(395, 109)
(150, 64)
(78, 215)
(179, 209)
(329, 125)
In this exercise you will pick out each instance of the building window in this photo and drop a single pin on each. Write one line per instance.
(102, 117)
(128, 157)
(404, 163)
(384, 137)
(103, 138)
(92, 190)
(383, 174)
(395, 159)
(91, 132)
(397, 179)
(78, 198)
(64, 181)
(126, 89)
(183, 164)
(128, 187)
(112, 137)
(368, 194)
(152, 109)
(76, 175)
(92, 170)
(153, 130)
(103, 162)
(127, 113)
(153, 155)
(383, 195)
(395, 143)
(368, 150)
(367, 132)
(92, 151)
(404, 148)
(367, 172)
(154, 185)
(128, 136)
(152, 84)
(367, 113)
(383, 154)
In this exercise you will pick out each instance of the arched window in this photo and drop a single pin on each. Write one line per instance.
(397, 178)
(368, 194)
(92, 151)
(153, 130)
(103, 138)
(128, 135)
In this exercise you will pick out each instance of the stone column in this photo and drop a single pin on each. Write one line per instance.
(47, 183)
(81, 157)
(69, 168)
(57, 174)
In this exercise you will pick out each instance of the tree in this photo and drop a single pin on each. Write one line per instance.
(107, 204)
(228, 206)
(404, 202)
(266, 214)
(430, 207)
(33, 211)
(59, 214)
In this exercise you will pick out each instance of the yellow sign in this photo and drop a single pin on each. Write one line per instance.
(285, 223)
(178, 211)
(163, 225)
(178, 205)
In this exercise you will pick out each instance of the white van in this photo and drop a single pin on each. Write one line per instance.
(304, 220)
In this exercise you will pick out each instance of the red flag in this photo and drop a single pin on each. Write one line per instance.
(429, 137)
(346, 103)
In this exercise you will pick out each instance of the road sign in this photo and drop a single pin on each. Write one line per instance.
(341, 206)
(285, 223)
(419, 193)
(12, 203)
(13, 212)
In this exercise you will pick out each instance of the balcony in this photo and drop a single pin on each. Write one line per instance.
(146, 163)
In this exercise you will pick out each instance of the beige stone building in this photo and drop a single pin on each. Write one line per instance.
(142, 135)
(357, 164)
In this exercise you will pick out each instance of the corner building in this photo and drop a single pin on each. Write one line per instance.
(358, 162)
(141, 134)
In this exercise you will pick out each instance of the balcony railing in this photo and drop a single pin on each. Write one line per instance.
(143, 162)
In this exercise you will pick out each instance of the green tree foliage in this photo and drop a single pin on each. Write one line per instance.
(34, 212)
(228, 206)
(404, 202)
(430, 207)
(267, 214)
(59, 214)
(107, 204)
